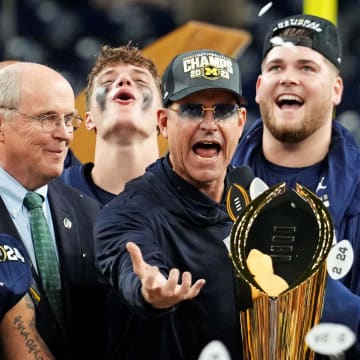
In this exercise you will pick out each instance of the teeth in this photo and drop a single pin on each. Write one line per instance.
(289, 98)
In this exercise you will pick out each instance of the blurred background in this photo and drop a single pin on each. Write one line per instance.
(67, 34)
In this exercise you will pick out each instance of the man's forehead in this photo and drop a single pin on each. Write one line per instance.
(52, 95)
(115, 69)
(303, 53)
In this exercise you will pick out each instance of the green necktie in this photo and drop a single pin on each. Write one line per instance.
(46, 259)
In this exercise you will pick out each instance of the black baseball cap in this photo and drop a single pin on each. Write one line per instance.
(325, 37)
(198, 70)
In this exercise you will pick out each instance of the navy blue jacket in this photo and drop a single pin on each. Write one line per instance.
(174, 225)
(79, 177)
(337, 183)
(74, 176)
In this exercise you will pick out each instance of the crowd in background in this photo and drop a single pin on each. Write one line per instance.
(67, 34)
(148, 247)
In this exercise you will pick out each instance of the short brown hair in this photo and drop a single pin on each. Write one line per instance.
(127, 54)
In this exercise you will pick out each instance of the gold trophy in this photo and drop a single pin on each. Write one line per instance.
(279, 244)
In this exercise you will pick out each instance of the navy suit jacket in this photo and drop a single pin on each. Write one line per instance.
(73, 215)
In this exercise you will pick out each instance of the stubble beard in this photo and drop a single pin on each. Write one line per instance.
(293, 133)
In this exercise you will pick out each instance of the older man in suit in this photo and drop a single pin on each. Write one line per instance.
(37, 121)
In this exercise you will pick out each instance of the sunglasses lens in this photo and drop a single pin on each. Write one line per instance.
(196, 111)
(191, 111)
(223, 111)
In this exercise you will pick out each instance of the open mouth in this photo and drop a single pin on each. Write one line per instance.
(124, 95)
(289, 100)
(206, 149)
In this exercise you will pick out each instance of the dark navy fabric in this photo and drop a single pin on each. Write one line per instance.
(15, 273)
(336, 180)
(175, 225)
(71, 159)
(79, 177)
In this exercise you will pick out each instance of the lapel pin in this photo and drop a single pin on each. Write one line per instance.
(67, 223)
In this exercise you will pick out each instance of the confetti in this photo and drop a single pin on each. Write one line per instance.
(278, 41)
(265, 9)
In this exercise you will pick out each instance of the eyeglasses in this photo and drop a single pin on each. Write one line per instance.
(196, 111)
(49, 122)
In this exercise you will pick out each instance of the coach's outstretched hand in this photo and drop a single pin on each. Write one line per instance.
(158, 291)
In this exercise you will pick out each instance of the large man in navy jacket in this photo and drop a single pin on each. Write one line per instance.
(37, 120)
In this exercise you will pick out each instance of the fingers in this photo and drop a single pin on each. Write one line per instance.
(196, 288)
(149, 275)
(136, 259)
(184, 290)
(172, 281)
(156, 289)
(191, 291)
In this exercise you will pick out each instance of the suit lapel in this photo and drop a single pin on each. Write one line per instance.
(7, 225)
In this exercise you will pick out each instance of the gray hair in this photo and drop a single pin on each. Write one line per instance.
(9, 88)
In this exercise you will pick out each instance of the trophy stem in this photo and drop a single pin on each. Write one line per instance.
(275, 328)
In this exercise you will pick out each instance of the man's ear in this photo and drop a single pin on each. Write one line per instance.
(163, 117)
(89, 122)
(2, 123)
(242, 117)
(258, 82)
(338, 90)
